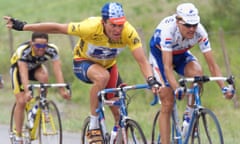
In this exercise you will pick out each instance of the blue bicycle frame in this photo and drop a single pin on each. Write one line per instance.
(121, 91)
(195, 91)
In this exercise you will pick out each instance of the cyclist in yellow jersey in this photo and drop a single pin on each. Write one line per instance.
(27, 64)
(101, 39)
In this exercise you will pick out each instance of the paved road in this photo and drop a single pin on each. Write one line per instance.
(68, 138)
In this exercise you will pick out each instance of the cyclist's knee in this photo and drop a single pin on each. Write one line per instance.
(20, 101)
(167, 100)
(101, 80)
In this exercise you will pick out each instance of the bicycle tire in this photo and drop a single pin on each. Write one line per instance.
(85, 130)
(25, 130)
(11, 130)
(50, 128)
(134, 133)
(206, 128)
(155, 136)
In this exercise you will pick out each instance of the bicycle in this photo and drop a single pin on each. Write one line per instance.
(204, 127)
(129, 131)
(47, 126)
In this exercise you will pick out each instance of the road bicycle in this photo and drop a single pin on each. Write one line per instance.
(129, 131)
(46, 126)
(204, 127)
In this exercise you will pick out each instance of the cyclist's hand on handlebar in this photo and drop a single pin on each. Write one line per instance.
(65, 94)
(228, 92)
(154, 84)
(179, 93)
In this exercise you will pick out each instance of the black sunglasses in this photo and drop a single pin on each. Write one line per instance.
(190, 25)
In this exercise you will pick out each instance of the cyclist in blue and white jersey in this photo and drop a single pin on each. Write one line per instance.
(170, 51)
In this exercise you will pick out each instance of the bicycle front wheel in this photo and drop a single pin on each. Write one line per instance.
(155, 136)
(206, 128)
(134, 134)
(25, 130)
(50, 126)
(84, 130)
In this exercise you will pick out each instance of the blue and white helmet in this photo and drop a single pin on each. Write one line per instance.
(114, 12)
(188, 12)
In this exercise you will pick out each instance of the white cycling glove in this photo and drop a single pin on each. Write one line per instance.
(179, 92)
(228, 89)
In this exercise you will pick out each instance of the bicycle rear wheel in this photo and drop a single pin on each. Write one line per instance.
(50, 126)
(206, 129)
(155, 136)
(134, 134)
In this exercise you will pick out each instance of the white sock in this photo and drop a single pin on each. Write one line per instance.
(94, 123)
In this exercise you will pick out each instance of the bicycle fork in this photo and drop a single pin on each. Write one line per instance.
(176, 129)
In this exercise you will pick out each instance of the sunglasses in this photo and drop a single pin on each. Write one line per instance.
(188, 25)
(37, 45)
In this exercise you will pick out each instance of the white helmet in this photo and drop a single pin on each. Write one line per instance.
(188, 12)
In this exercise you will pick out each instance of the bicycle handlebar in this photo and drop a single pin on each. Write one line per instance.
(196, 79)
(123, 89)
(46, 85)
(229, 80)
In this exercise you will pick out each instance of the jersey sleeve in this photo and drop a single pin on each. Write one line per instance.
(83, 28)
(204, 43)
(164, 33)
(131, 37)
(19, 55)
(53, 51)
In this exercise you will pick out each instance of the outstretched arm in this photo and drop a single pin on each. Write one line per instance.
(46, 27)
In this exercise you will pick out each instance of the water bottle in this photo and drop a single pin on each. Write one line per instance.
(31, 116)
(186, 121)
(113, 135)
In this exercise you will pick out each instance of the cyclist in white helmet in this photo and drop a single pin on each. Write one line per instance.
(170, 51)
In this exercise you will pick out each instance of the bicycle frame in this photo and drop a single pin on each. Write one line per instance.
(198, 110)
(119, 103)
(42, 103)
(195, 91)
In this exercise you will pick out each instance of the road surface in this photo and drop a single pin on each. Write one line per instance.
(68, 138)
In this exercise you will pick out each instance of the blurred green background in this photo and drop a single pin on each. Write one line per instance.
(220, 17)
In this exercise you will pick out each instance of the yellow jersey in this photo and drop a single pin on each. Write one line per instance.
(94, 45)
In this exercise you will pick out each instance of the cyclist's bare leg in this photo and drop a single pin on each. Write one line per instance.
(116, 114)
(192, 69)
(100, 77)
(167, 101)
(41, 74)
(19, 112)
